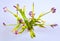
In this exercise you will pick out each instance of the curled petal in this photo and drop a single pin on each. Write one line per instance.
(53, 10)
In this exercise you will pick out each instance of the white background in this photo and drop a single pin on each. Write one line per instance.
(42, 34)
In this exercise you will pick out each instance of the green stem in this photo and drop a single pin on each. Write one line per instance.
(10, 24)
(43, 15)
(25, 18)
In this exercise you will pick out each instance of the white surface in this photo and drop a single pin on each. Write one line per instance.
(47, 34)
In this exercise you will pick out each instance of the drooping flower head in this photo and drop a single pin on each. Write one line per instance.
(31, 14)
(16, 32)
(17, 6)
(53, 10)
(53, 25)
(5, 9)
(4, 24)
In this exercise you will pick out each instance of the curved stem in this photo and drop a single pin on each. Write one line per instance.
(43, 15)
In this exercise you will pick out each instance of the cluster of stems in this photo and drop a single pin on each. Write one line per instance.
(25, 23)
